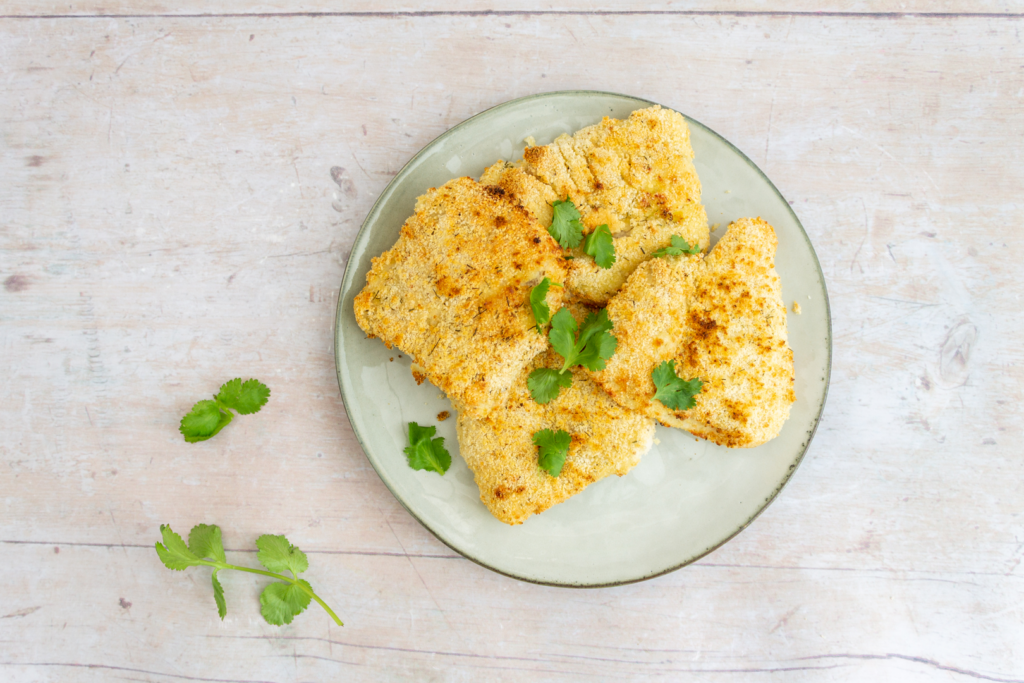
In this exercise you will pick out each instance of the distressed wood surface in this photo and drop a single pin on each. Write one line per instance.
(887, 8)
(169, 219)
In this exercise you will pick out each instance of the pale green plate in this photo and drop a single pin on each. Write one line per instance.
(687, 496)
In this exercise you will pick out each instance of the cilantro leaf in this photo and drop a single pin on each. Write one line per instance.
(278, 555)
(173, 552)
(279, 602)
(565, 224)
(591, 348)
(552, 447)
(563, 333)
(245, 397)
(599, 245)
(418, 434)
(208, 417)
(545, 384)
(594, 345)
(218, 596)
(539, 304)
(204, 541)
(597, 350)
(678, 248)
(425, 453)
(673, 392)
(204, 421)
(593, 326)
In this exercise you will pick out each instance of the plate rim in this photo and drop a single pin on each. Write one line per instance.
(349, 274)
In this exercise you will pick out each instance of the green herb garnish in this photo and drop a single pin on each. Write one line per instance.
(545, 384)
(552, 447)
(590, 348)
(279, 602)
(208, 417)
(565, 224)
(599, 245)
(673, 392)
(425, 453)
(539, 303)
(678, 248)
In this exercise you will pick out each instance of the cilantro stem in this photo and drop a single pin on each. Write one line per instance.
(323, 604)
(294, 581)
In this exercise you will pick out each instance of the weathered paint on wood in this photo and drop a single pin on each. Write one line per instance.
(169, 219)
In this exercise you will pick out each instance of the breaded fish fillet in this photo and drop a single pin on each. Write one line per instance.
(722, 319)
(636, 176)
(606, 439)
(453, 292)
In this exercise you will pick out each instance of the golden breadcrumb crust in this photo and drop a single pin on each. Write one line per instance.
(722, 318)
(635, 175)
(606, 439)
(453, 292)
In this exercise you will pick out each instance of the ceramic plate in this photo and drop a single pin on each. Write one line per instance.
(687, 496)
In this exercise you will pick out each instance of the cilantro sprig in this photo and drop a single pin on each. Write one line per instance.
(207, 417)
(599, 245)
(590, 348)
(565, 224)
(678, 248)
(280, 601)
(552, 447)
(426, 453)
(673, 392)
(539, 303)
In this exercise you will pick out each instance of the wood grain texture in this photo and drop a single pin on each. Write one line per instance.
(169, 218)
(892, 8)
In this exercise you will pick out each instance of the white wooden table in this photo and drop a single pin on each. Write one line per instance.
(169, 219)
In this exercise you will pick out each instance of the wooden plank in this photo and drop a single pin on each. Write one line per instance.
(170, 219)
(411, 618)
(64, 8)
